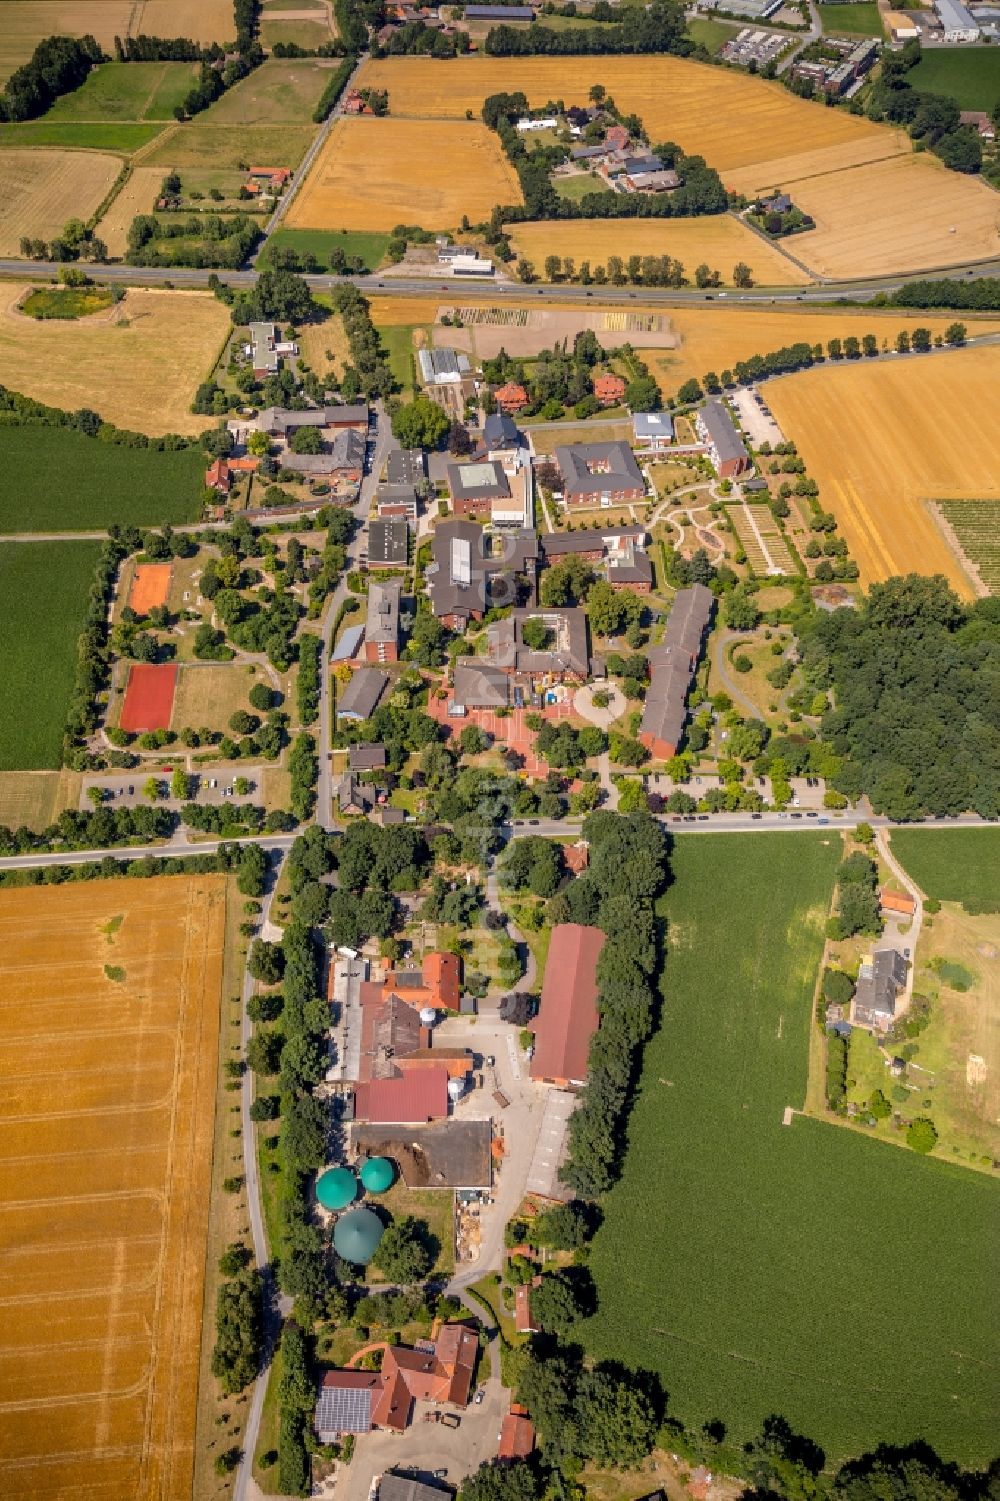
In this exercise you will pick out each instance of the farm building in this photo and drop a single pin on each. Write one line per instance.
(564, 656)
(266, 349)
(726, 448)
(517, 1434)
(523, 1321)
(344, 457)
(470, 264)
(440, 1371)
(980, 121)
(360, 698)
(672, 666)
(545, 122)
(467, 576)
(880, 979)
(599, 474)
(442, 367)
(412, 1098)
(349, 645)
(653, 430)
(567, 1016)
(382, 621)
(897, 901)
(388, 542)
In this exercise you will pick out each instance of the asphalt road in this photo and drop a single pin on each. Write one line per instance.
(372, 286)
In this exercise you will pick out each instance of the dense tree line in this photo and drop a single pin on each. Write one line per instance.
(58, 65)
(307, 686)
(915, 677)
(303, 766)
(335, 86)
(239, 1330)
(369, 373)
(627, 871)
(296, 1400)
(206, 240)
(155, 49)
(20, 841)
(277, 297)
(246, 14)
(933, 120)
(658, 29)
(982, 293)
(23, 411)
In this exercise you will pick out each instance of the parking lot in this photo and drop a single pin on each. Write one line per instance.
(755, 417)
(212, 786)
(755, 45)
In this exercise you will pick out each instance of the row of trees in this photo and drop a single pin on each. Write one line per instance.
(932, 119)
(660, 28)
(58, 65)
(205, 240)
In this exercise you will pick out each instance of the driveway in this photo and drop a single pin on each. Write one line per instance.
(583, 703)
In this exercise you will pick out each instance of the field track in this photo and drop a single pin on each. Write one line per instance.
(108, 1104)
(149, 697)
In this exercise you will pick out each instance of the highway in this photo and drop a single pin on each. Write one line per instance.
(185, 277)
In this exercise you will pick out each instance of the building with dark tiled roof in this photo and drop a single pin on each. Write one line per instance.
(565, 654)
(672, 665)
(473, 571)
(599, 474)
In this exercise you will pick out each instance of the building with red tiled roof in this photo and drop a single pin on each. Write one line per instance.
(609, 389)
(217, 477)
(897, 901)
(412, 1098)
(576, 856)
(615, 138)
(511, 397)
(567, 1016)
(523, 1321)
(517, 1435)
(440, 1371)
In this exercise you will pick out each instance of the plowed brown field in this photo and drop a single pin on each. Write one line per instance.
(881, 440)
(107, 1101)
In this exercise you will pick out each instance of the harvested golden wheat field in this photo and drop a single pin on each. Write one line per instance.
(375, 174)
(24, 23)
(713, 338)
(138, 196)
(109, 1008)
(202, 20)
(719, 240)
(729, 118)
(40, 190)
(139, 364)
(908, 214)
(881, 440)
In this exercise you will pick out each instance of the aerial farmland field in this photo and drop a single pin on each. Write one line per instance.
(138, 364)
(736, 1252)
(953, 865)
(720, 240)
(109, 1013)
(975, 527)
(27, 22)
(377, 173)
(882, 440)
(40, 190)
(43, 600)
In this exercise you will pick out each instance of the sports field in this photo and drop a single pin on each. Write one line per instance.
(139, 365)
(43, 600)
(969, 75)
(908, 213)
(883, 439)
(109, 1010)
(149, 697)
(954, 865)
(738, 1256)
(719, 240)
(207, 693)
(40, 190)
(377, 173)
(150, 586)
(26, 22)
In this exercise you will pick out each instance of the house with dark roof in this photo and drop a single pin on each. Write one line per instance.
(599, 474)
(388, 542)
(500, 432)
(475, 486)
(393, 1487)
(360, 698)
(726, 448)
(397, 502)
(564, 655)
(406, 466)
(382, 621)
(567, 1016)
(881, 978)
(473, 571)
(355, 796)
(672, 666)
(478, 685)
(343, 456)
(366, 758)
(619, 552)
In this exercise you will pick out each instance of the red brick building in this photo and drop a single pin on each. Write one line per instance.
(567, 1017)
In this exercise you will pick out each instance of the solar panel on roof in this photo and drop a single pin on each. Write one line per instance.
(344, 1410)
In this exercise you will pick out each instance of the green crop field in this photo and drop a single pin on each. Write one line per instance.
(125, 137)
(319, 242)
(969, 75)
(954, 865)
(117, 92)
(759, 1268)
(43, 596)
(279, 92)
(851, 20)
(976, 524)
(56, 479)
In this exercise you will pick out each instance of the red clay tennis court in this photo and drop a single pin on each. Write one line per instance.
(149, 698)
(150, 586)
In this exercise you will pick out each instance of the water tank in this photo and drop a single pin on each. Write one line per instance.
(336, 1188)
(456, 1088)
(428, 1016)
(377, 1174)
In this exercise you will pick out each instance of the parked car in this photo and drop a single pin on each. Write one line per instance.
(480, 1396)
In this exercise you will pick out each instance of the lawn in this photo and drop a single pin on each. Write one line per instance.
(320, 242)
(126, 91)
(56, 479)
(969, 75)
(437, 1208)
(43, 597)
(796, 1270)
(860, 19)
(126, 136)
(578, 185)
(954, 865)
(711, 34)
